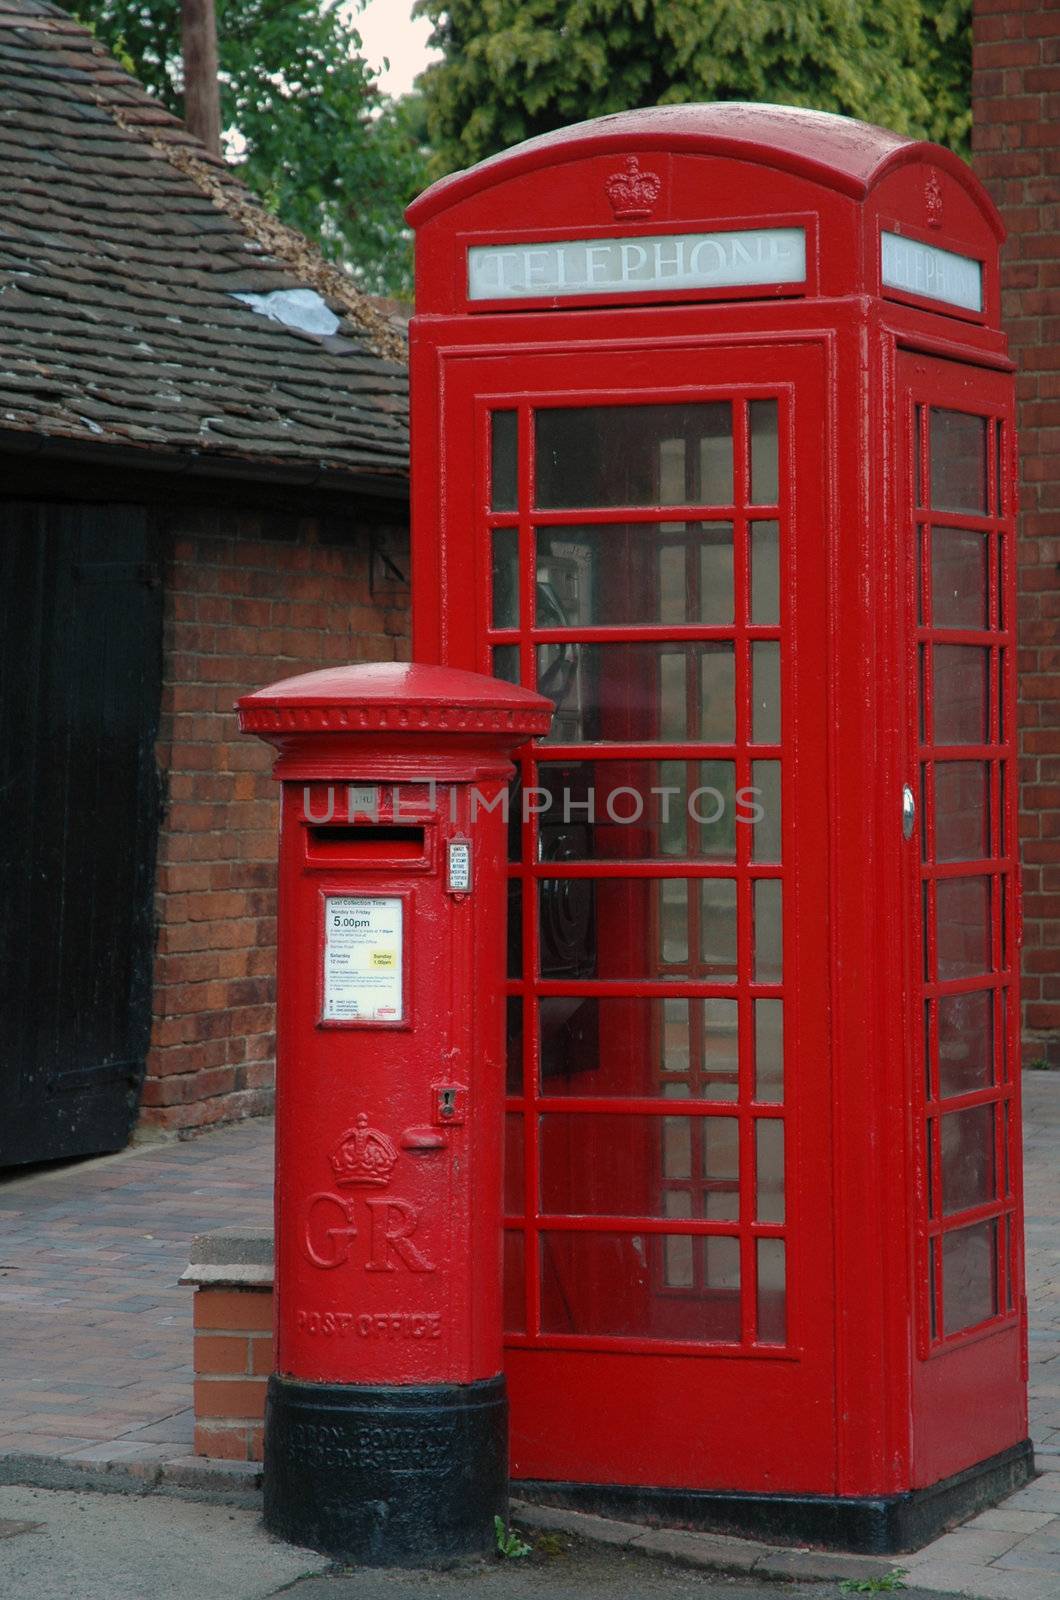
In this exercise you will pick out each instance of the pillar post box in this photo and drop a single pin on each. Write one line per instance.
(386, 1420)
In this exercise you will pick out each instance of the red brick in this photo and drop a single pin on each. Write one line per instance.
(224, 1443)
(234, 1310)
(218, 1353)
(230, 1398)
(262, 1356)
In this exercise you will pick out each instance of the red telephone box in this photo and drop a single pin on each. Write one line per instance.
(713, 445)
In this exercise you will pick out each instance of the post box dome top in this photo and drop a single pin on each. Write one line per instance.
(394, 696)
(837, 152)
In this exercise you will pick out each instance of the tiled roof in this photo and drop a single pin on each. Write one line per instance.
(122, 243)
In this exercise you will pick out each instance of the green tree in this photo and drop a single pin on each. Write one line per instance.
(304, 122)
(515, 68)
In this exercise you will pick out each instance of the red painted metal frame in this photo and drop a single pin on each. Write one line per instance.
(864, 1409)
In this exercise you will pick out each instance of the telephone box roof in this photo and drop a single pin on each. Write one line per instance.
(837, 152)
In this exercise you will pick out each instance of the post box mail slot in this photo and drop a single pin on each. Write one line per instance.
(365, 846)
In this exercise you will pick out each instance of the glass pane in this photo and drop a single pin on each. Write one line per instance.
(966, 1042)
(721, 1168)
(960, 694)
(958, 462)
(768, 931)
(637, 810)
(765, 572)
(631, 1047)
(515, 927)
(717, 935)
(772, 1292)
(959, 579)
(962, 810)
(600, 1164)
(673, 922)
(514, 1054)
(635, 928)
(677, 572)
(504, 434)
(764, 471)
(642, 692)
(765, 709)
(514, 1281)
(765, 778)
(968, 1177)
(963, 927)
(769, 1184)
(514, 1180)
(969, 1276)
(634, 455)
(648, 1286)
(769, 1050)
(505, 577)
(506, 663)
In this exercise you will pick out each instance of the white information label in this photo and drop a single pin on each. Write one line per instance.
(634, 266)
(459, 866)
(363, 959)
(926, 270)
(362, 800)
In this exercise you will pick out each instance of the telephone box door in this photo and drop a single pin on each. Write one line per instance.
(669, 1222)
(962, 905)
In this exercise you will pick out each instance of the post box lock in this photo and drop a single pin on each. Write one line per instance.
(450, 1104)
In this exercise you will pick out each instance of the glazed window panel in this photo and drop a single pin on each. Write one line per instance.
(504, 440)
(597, 456)
(965, 1042)
(969, 1276)
(968, 1159)
(961, 703)
(638, 810)
(962, 810)
(958, 462)
(639, 573)
(640, 691)
(962, 930)
(645, 1274)
(960, 594)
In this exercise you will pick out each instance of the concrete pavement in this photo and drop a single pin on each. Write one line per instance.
(95, 1376)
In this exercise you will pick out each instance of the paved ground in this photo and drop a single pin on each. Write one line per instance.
(95, 1378)
(63, 1546)
(95, 1360)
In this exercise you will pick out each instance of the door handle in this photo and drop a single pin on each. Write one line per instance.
(908, 811)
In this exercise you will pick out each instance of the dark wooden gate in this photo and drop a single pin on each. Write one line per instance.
(80, 677)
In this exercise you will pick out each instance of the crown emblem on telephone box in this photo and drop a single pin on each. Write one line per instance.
(632, 193)
(364, 1156)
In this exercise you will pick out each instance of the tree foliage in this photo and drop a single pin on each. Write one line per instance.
(303, 120)
(515, 68)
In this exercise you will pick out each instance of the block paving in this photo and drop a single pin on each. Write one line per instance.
(96, 1373)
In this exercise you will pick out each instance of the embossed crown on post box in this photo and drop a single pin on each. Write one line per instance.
(364, 1157)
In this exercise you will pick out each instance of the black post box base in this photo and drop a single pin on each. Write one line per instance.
(387, 1476)
(884, 1525)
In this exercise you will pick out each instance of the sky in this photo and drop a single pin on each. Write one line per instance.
(387, 30)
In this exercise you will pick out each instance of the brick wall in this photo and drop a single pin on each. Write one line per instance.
(233, 1358)
(1016, 143)
(249, 598)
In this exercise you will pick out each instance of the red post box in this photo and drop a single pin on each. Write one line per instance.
(386, 1421)
(713, 444)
